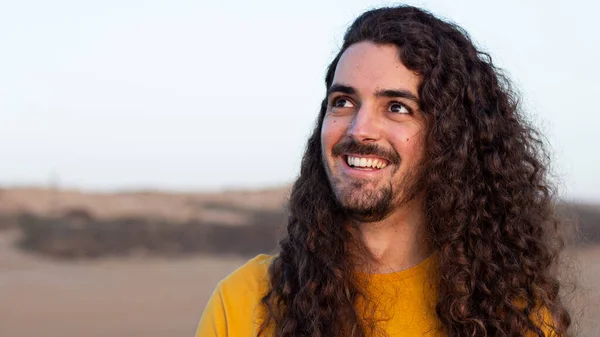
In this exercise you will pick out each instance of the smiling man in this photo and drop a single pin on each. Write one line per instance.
(422, 207)
(373, 124)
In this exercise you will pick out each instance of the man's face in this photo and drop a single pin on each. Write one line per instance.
(373, 130)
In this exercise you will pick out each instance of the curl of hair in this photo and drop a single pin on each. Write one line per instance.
(489, 206)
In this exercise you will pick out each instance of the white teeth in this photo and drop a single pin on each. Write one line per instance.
(365, 162)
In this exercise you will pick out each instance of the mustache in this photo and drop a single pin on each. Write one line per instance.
(368, 149)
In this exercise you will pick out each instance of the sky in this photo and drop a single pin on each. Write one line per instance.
(209, 95)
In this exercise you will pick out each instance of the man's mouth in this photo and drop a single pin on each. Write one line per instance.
(366, 162)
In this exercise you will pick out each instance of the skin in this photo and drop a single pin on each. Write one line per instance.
(373, 101)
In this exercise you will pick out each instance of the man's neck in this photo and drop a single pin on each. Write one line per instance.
(397, 242)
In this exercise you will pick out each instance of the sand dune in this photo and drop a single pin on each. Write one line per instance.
(175, 207)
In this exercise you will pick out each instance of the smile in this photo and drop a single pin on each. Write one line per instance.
(366, 162)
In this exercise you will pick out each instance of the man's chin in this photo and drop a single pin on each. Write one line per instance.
(373, 214)
(366, 207)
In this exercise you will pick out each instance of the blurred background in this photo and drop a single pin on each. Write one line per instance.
(147, 147)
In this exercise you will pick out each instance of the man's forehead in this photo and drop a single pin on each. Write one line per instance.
(369, 68)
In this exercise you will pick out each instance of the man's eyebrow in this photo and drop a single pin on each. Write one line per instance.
(393, 93)
(344, 89)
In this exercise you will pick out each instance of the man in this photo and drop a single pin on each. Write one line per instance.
(422, 207)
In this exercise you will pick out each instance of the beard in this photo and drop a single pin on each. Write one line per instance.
(364, 201)
(369, 201)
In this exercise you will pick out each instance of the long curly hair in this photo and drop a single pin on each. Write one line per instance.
(489, 205)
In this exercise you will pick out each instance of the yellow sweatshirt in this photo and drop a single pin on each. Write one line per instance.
(404, 301)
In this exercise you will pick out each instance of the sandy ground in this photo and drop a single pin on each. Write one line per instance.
(150, 297)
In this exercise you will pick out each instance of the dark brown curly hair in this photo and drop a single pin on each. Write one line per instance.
(488, 202)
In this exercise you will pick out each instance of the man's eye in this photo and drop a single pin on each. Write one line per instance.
(398, 108)
(342, 103)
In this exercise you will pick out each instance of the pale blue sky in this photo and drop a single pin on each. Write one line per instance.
(204, 95)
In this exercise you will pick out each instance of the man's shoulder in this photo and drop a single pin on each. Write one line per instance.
(251, 277)
(234, 309)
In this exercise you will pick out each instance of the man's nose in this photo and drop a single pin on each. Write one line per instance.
(366, 126)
